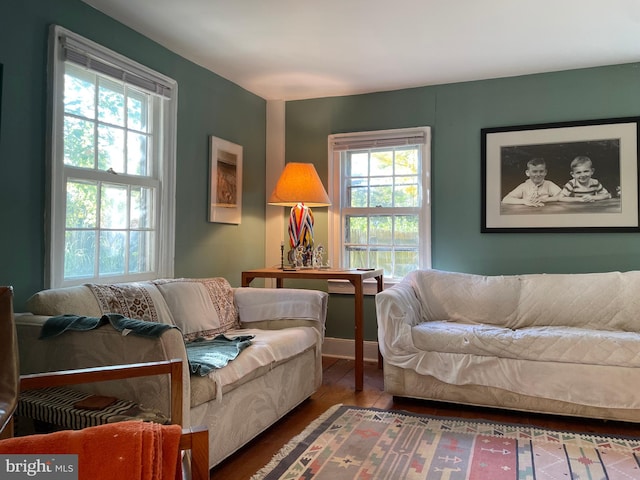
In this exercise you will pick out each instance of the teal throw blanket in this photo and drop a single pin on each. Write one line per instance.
(207, 355)
(54, 326)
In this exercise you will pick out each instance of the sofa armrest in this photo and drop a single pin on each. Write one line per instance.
(281, 307)
(398, 309)
(105, 346)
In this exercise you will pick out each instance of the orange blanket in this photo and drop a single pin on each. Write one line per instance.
(124, 451)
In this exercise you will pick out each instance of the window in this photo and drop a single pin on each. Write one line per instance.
(380, 213)
(112, 166)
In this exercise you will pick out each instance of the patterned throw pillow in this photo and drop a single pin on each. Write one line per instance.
(201, 307)
(133, 300)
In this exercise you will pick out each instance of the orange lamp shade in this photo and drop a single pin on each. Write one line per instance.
(299, 183)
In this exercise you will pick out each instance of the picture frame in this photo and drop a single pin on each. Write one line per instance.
(225, 181)
(611, 150)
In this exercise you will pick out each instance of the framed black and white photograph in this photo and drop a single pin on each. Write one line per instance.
(225, 181)
(561, 177)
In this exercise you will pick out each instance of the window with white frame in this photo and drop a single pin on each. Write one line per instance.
(380, 212)
(112, 166)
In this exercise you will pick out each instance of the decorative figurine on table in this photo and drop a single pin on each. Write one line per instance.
(318, 253)
(299, 256)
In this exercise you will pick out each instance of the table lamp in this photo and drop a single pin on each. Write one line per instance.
(300, 188)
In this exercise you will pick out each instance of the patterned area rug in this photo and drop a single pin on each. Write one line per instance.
(355, 443)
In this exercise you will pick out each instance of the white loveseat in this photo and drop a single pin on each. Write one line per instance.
(279, 370)
(552, 343)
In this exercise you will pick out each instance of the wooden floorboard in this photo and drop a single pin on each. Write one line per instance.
(337, 387)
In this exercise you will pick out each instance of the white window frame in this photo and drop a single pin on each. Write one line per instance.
(339, 143)
(164, 150)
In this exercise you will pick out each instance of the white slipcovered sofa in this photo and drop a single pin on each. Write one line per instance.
(280, 369)
(551, 343)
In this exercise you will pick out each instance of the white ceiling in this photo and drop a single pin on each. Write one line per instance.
(296, 49)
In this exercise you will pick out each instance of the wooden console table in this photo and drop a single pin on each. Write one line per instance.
(355, 277)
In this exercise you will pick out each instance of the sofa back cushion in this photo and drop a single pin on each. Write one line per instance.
(141, 301)
(59, 301)
(602, 301)
(138, 300)
(201, 307)
(468, 298)
(599, 301)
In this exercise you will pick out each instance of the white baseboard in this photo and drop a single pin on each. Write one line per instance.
(345, 348)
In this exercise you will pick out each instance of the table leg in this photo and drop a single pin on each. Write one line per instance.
(359, 334)
(379, 281)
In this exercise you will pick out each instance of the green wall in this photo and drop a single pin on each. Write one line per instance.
(211, 105)
(456, 113)
(207, 105)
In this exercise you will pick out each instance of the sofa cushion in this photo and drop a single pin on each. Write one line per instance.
(540, 344)
(268, 349)
(59, 301)
(602, 301)
(141, 301)
(467, 298)
(201, 307)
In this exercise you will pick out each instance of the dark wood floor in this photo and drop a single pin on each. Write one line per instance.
(337, 387)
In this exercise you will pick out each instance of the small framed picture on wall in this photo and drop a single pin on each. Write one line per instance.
(225, 181)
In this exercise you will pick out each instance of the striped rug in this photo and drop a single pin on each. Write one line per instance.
(356, 443)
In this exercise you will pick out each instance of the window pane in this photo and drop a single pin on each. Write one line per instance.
(381, 163)
(406, 230)
(137, 110)
(137, 154)
(79, 253)
(358, 164)
(381, 230)
(407, 192)
(356, 229)
(356, 257)
(111, 148)
(111, 102)
(79, 92)
(407, 161)
(357, 193)
(382, 258)
(381, 194)
(82, 204)
(79, 150)
(113, 206)
(140, 252)
(112, 252)
(405, 261)
(387, 241)
(141, 208)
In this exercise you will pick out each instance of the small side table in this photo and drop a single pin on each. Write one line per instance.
(355, 277)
